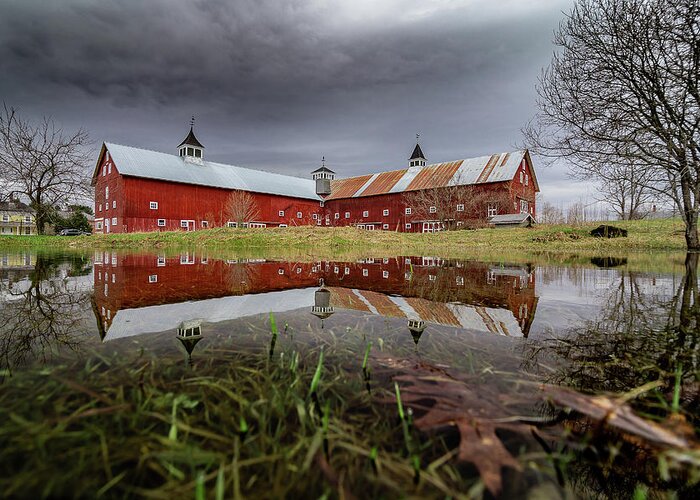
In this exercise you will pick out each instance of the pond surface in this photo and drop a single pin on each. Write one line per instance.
(182, 374)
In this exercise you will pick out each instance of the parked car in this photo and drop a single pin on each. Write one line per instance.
(72, 232)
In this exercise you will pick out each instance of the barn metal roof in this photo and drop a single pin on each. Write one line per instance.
(510, 218)
(481, 170)
(162, 166)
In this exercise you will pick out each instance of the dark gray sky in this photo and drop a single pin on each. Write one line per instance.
(277, 84)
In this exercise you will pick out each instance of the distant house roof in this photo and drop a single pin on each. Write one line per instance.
(507, 219)
(485, 169)
(417, 153)
(191, 140)
(147, 164)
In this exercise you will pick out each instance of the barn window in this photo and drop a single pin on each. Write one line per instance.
(365, 272)
(257, 224)
(153, 278)
(521, 177)
(385, 274)
(106, 192)
(197, 153)
(347, 215)
(407, 211)
(492, 210)
(408, 225)
(104, 170)
(527, 179)
(314, 216)
(524, 207)
(321, 204)
(98, 225)
(232, 224)
(460, 280)
(385, 212)
(298, 215)
(153, 205)
(100, 207)
(114, 221)
(337, 216)
(433, 210)
(161, 222)
(280, 270)
(161, 261)
(283, 225)
(347, 270)
(385, 226)
(460, 208)
(114, 204)
(190, 151)
(365, 213)
(109, 167)
(205, 224)
(281, 213)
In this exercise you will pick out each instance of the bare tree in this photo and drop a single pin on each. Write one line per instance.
(43, 163)
(241, 208)
(623, 89)
(627, 190)
(458, 206)
(549, 214)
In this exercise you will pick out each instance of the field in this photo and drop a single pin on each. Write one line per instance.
(643, 236)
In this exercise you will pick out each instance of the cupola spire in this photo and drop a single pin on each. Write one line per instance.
(191, 147)
(323, 177)
(417, 158)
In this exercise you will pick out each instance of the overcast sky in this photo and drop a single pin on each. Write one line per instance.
(276, 85)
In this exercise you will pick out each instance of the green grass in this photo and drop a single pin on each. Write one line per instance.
(664, 234)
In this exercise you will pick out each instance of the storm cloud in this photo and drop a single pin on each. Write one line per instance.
(278, 84)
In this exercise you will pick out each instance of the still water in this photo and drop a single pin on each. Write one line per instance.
(468, 342)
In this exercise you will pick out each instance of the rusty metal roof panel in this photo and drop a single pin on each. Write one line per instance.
(484, 169)
(434, 176)
(384, 182)
(346, 188)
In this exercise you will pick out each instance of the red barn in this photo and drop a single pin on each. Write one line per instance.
(142, 190)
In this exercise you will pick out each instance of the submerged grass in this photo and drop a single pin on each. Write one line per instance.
(237, 426)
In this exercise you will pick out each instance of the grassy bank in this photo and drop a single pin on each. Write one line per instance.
(643, 236)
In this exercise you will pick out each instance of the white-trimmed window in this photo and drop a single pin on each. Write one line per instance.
(204, 224)
(280, 271)
(347, 270)
(433, 210)
(281, 213)
(336, 216)
(27, 219)
(521, 177)
(408, 225)
(460, 207)
(100, 207)
(385, 274)
(365, 272)
(6, 218)
(232, 224)
(524, 207)
(299, 215)
(385, 212)
(347, 215)
(527, 179)
(114, 221)
(407, 211)
(161, 261)
(153, 278)
(106, 192)
(153, 205)
(322, 204)
(283, 225)
(459, 280)
(98, 225)
(161, 222)
(492, 210)
(336, 270)
(257, 224)
(365, 213)
(109, 167)
(314, 216)
(104, 170)
(184, 223)
(385, 226)
(114, 204)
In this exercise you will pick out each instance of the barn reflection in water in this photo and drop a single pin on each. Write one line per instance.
(139, 294)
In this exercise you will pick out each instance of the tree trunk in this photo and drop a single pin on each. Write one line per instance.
(690, 217)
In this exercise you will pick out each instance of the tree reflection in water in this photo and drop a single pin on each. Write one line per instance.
(43, 311)
(647, 331)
